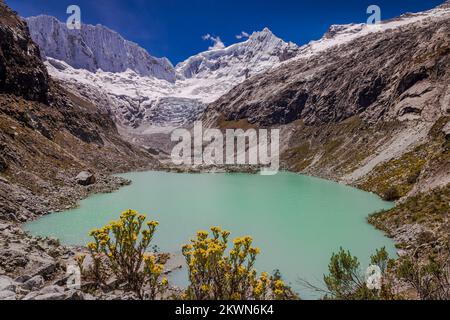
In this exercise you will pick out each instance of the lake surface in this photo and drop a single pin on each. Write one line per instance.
(297, 221)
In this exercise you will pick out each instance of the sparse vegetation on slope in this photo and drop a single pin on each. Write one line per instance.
(48, 135)
(420, 221)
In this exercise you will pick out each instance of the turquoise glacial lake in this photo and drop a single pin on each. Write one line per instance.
(297, 221)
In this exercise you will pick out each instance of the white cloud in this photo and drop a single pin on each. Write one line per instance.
(217, 42)
(242, 35)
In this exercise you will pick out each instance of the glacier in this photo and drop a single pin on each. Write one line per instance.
(145, 93)
(142, 91)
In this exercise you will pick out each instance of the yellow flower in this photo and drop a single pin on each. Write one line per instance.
(128, 214)
(187, 247)
(202, 234)
(153, 224)
(237, 241)
(278, 292)
(205, 288)
(216, 230)
(146, 233)
(235, 296)
(264, 277)
(164, 282)
(241, 270)
(158, 269)
(149, 258)
(279, 284)
(248, 240)
(258, 290)
(93, 232)
(225, 234)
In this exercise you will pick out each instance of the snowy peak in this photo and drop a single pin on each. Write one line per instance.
(342, 29)
(343, 34)
(95, 47)
(258, 53)
(445, 5)
(266, 35)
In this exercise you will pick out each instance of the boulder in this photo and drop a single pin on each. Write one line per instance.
(52, 289)
(7, 284)
(47, 269)
(7, 295)
(85, 178)
(34, 283)
(75, 295)
(48, 293)
(52, 297)
(22, 279)
(55, 296)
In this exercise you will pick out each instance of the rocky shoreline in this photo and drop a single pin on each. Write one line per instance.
(34, 268)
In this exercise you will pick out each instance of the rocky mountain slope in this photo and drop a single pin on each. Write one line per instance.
(367, 106)
(395, 80)
(48, 134)
(142, 100)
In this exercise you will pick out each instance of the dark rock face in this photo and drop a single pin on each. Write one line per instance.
(21, 70)
(368, 77)
(411, 79)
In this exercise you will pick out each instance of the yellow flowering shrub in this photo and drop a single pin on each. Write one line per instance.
(120, 248)
(216, 275)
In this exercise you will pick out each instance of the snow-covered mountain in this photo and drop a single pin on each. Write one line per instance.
(143, 91)
(262, 50)
(95, 47)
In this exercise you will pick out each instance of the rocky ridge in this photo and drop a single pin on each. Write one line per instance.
(47, 137)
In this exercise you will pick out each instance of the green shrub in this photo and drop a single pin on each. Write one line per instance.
(346, 281)
(431, 280)
(391, 194)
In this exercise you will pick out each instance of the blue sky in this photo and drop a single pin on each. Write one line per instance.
(174, 28)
